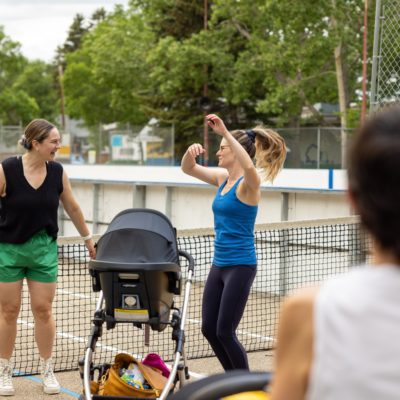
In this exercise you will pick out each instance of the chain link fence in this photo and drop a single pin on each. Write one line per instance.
(314, 147)
(9, 136)
(308, 147)
(145, 145)
(385, 79)
(125, 144)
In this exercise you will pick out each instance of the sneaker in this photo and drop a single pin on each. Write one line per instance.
(50, 383)
(6, 386)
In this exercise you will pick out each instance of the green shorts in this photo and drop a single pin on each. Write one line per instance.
(36, 259)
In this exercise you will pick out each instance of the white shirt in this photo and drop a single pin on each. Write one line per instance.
(356, 354)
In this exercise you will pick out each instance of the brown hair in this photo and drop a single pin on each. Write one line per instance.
(37, 129)
(374, 177)
(266, 146)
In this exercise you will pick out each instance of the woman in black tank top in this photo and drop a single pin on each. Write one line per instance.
(31, 187)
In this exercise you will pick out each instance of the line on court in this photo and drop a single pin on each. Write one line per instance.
(71, 337)
(254, 335)
(110, 348)
(243, 333)
(37, 380)
(190, 320)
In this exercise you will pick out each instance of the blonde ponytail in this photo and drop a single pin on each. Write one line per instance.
(270, 152)
(265, 146)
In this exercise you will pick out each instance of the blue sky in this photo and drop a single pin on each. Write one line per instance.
(42, 25)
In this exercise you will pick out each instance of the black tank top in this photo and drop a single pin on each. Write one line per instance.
(25, 210)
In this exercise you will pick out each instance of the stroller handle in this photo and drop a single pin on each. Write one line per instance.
(188, 257)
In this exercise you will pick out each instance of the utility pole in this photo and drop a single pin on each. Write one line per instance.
(205, 92)
(364, 65)
(60, 79)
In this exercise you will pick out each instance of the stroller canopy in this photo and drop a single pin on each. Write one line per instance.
(139, 235)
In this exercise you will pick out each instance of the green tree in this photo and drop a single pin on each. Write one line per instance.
(11, 60)
(283, 55)
(17, 106)
(76, 32)
(176, 18)
(79, 28)
(36, 80)
(104, 80)
(260, 61)
(182, 64)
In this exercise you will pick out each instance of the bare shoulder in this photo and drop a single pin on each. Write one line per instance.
(302, 299)
(298, 308)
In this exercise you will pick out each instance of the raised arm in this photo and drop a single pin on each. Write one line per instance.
(189, 166)
(251, 179)
(72, 208)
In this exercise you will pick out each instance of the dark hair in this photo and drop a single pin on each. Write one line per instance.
(246, 141)
(374, 177)
(37, 129)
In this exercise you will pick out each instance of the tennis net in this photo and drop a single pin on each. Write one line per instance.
(290, 256)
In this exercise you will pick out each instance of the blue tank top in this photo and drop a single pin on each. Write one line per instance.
(234, 229)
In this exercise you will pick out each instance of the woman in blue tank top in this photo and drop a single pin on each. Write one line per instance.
(235, 209)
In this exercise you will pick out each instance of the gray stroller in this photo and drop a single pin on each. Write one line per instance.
(137, 273)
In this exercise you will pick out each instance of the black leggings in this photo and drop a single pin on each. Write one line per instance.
(224, 299)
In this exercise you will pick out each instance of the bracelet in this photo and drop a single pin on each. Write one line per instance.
(87, 237)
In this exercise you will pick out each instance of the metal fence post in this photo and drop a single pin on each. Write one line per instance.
(139, 196)
(168, 201)
(61, 220)
(318, 147)
(375, 56)
(283, 261)
(96, 193)
(285, 206)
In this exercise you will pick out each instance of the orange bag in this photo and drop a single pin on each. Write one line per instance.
(112, 385)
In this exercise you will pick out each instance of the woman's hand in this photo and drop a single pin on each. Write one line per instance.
(216, 123)
(90, 246)
(195, 150)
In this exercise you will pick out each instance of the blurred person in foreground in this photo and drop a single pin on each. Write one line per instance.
(235, 209)
(341, 341)
(31, 187)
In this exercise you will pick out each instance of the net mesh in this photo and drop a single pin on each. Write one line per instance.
(290, 256)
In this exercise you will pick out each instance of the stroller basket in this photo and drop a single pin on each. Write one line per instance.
(137, 268)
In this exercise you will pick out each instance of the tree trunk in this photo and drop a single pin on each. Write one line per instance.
(343, 99)
(342, 87)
